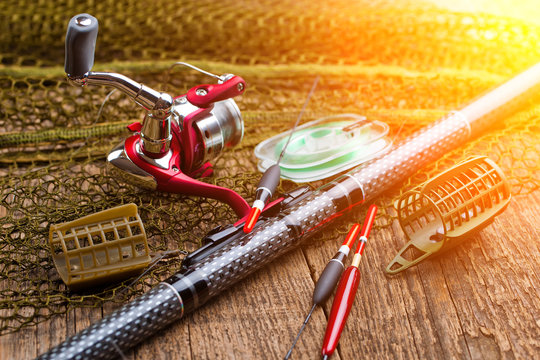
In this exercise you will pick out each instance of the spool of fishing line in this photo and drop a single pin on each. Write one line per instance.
(325, 147)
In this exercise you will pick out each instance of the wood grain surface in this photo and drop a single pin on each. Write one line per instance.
(478, 301)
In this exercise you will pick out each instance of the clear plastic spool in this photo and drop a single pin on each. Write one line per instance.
(325, 147)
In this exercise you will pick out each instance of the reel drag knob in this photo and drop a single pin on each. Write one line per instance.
(81, 38)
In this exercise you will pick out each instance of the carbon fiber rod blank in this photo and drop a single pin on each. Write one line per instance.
(185, 292)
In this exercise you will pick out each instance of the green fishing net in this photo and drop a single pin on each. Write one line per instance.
(405, 63)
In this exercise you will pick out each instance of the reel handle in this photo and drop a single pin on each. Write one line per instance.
(81, 38)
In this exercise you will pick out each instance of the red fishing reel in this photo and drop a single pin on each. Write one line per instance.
(178, 136)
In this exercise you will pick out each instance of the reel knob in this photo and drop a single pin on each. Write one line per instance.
(81, 38)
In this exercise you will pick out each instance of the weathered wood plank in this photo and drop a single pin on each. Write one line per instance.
(20, 345)
(51, 333)
(494, 282)
(478, 301)
(259, 317)
(442, 312)
(80, 318)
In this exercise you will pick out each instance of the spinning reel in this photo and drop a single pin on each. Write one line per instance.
(178, 136)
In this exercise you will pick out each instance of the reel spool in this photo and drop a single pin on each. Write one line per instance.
(444, 211)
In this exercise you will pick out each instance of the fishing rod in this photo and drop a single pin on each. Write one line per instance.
(296, 219)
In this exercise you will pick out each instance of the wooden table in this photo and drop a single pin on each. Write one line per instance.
(478, 301)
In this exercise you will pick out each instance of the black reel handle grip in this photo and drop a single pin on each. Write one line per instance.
(81, 38)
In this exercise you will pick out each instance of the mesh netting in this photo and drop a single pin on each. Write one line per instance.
(405, 64)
